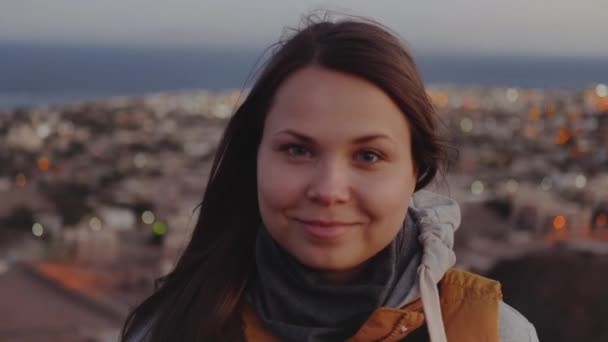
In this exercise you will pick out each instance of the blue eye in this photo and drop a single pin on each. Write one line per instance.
(294, 150)
(368, 156)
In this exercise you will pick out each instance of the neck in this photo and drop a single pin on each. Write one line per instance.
(344, 277)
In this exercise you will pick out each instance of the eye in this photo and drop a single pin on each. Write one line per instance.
(294, 150)
(368, 156)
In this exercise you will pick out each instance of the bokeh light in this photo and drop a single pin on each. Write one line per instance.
(601, 90)
(140, 160)
(512, 95)
(43, 131)
(580, 181)
(466, 125)
(159, 228)
(559, 222)
(37, 229)
(21, 180)
(148, 217)
(563, 136)
(477, 188)
(95, 224)
(43, 164)
(534, 113)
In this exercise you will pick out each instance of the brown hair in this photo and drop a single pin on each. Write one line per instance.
(202, 298)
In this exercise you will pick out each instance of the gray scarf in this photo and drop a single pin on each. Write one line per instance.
(297, 305)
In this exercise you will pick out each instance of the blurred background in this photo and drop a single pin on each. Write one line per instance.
(110, 113)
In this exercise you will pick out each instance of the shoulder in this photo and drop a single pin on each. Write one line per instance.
(484, 296)
(514, 327)
(467, 284)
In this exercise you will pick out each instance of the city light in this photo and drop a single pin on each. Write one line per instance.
(534, 113)
(43, 131)
(21, 180)
(441, 99)
(43, 164)
(563, 136)
(466, 125)
(580, 181)
(148, 217)
(512, 95)
(477, 188)
(37, 229)
(159, 228)
(95, 224)
(140, 160)
(601, 90)
(559, 222)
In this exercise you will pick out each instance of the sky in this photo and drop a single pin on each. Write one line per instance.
(563, 28)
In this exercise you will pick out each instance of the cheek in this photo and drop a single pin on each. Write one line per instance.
(387, 197)
(278, 187)
(386, 205)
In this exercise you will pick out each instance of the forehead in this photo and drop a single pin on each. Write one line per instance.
(319, 101)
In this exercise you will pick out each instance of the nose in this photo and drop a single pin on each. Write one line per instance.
(329, 184)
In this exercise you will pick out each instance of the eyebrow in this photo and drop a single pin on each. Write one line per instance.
(358, 140)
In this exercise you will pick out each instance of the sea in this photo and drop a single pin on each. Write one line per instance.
(35, 74)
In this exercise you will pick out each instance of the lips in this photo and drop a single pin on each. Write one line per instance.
(327, 224)
(320, 229)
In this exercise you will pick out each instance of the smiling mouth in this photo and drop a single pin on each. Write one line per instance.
(325, 230)
(327, 224)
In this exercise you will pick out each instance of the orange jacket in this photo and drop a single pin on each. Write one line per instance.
(469, 307)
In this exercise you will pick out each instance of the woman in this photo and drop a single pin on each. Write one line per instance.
(314, 225)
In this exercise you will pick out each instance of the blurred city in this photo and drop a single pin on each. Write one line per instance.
(99, 197)
(110, 115)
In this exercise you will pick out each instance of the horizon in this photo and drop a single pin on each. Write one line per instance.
(40, 73)
(263, 49)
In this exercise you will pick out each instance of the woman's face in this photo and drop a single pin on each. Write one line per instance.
(334, 170)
